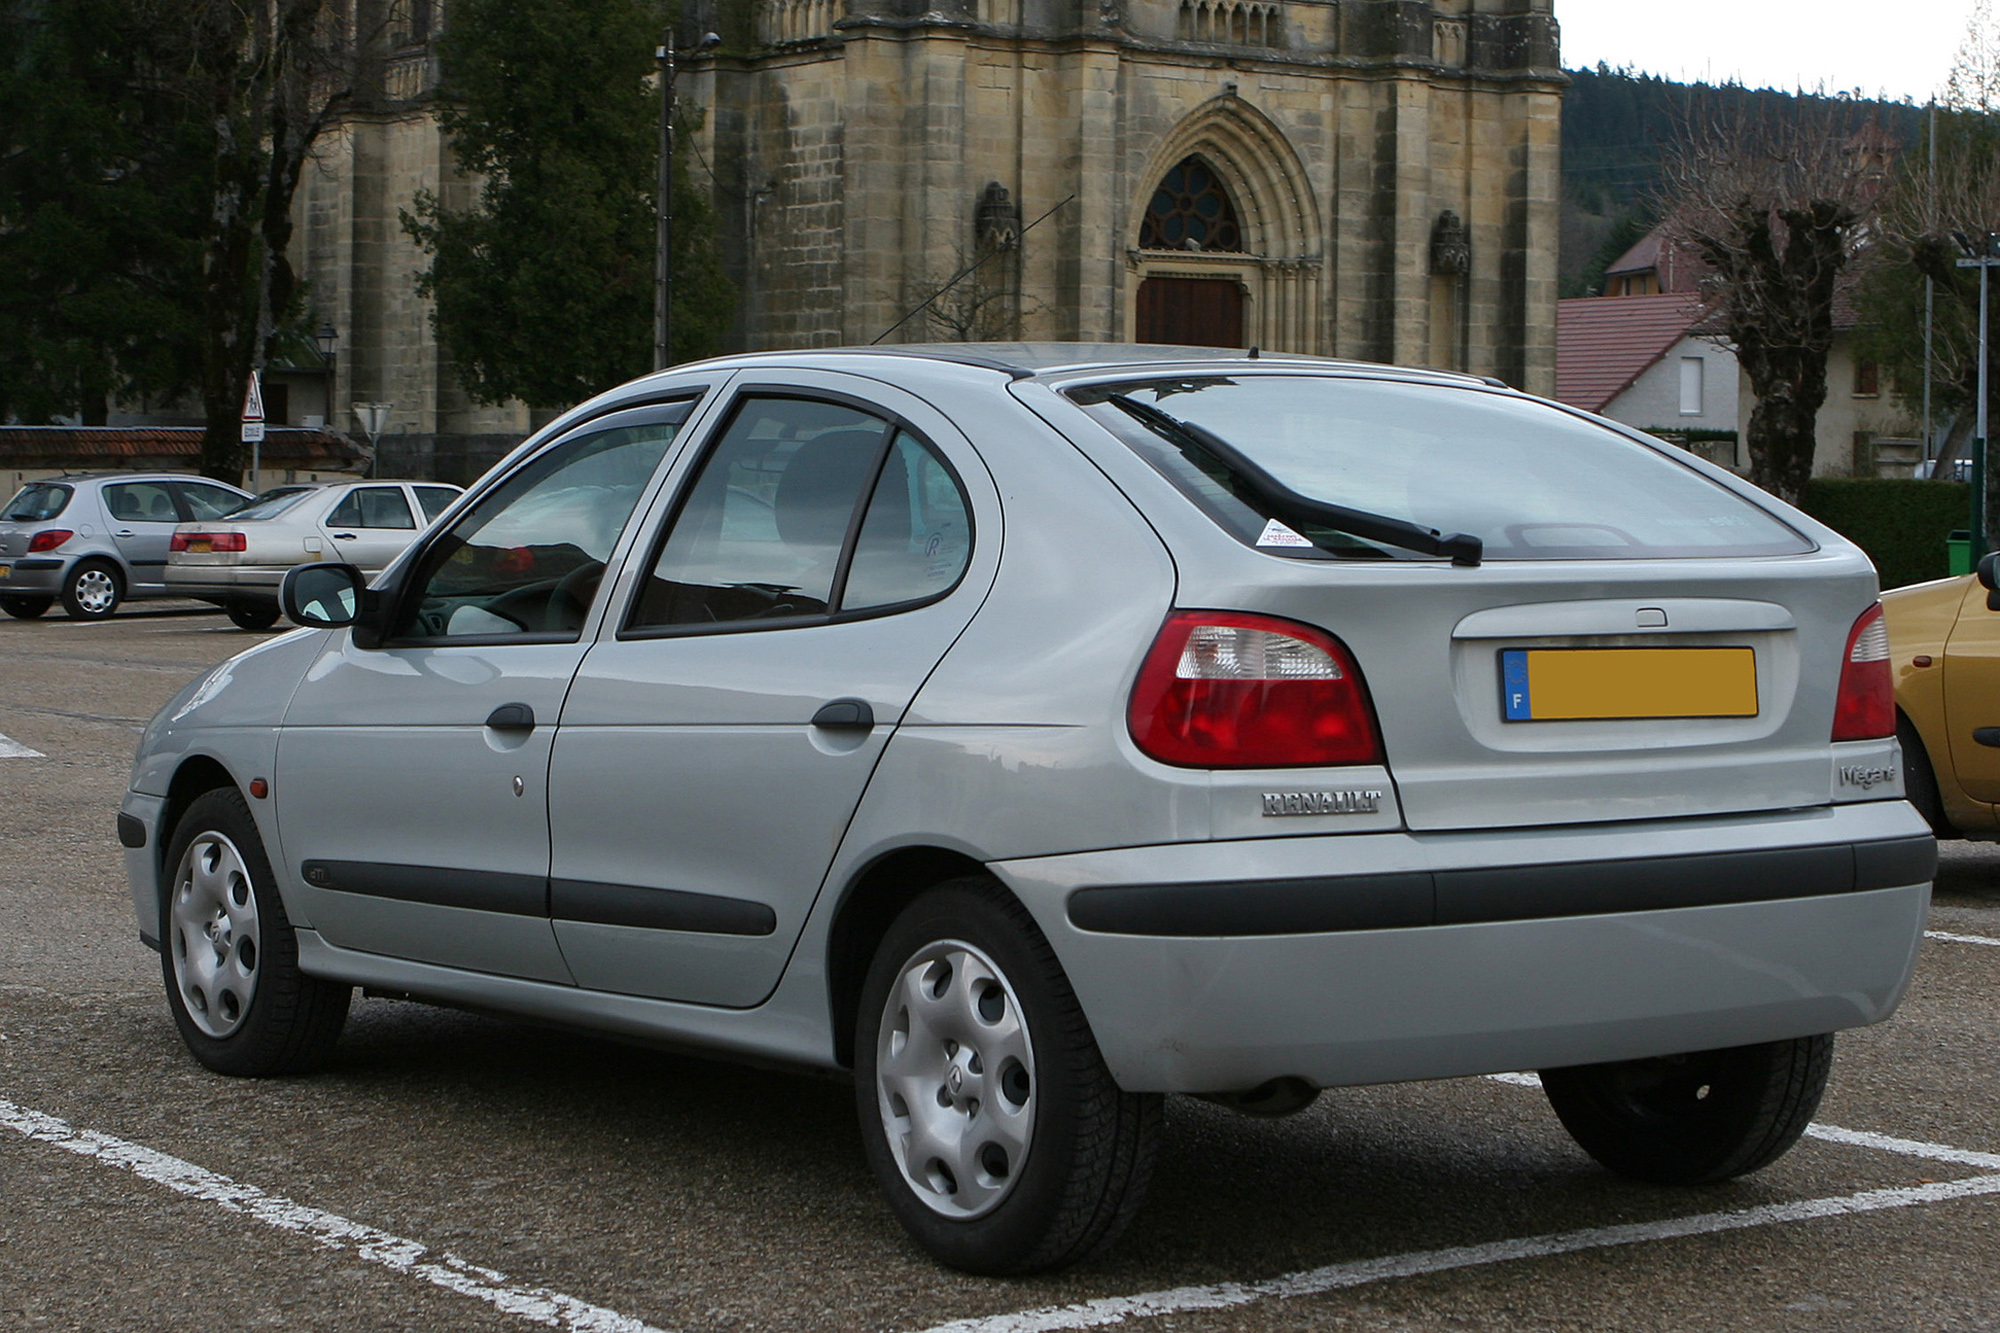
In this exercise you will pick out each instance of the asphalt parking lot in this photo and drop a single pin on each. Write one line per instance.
(453, 1171)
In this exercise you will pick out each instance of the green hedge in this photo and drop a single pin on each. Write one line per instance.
(1901, 524)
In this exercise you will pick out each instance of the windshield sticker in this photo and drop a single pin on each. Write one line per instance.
(1277, 534)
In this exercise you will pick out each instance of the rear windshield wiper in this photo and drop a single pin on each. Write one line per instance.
(1302, 510)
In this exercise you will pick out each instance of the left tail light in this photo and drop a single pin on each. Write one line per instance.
(1866, 706)
(49, 539)
(1223, 689)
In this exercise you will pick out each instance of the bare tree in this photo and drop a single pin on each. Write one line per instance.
(1777, 201)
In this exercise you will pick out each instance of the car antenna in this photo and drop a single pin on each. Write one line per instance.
(962, 273)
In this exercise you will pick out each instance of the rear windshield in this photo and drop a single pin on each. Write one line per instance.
(1531, 481)
(271, 503)
(35, 503)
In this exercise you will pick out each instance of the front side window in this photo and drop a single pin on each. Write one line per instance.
(527, 559)
(209, 501)
(372, 507)
(1531, 481)
(37, 502)
(805, 510)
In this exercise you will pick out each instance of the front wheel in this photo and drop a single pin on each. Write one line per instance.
(987, 1113)
(25, 608)
(1697, 1118)
(229, 954)
(93, 590)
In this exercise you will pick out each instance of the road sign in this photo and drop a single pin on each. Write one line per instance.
(253, 410)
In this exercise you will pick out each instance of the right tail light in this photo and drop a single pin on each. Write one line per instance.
(1866, 706)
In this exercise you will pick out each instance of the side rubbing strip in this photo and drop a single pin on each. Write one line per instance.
(658, 909)
(1510, 893)
(477, 890)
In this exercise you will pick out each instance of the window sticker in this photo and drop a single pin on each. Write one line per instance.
(1277, 534)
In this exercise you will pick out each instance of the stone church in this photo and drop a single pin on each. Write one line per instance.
(1374, 179)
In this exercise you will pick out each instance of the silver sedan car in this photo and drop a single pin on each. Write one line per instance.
(238, 560)
(1029, 732)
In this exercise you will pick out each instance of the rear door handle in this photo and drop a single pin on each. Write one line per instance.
(842, 714)
(1987, 736)
(124, 532)
(511, 717)
(344, 537)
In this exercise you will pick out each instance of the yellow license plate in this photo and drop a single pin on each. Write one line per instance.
(1568, 684)
(6, 570)
(200, 545)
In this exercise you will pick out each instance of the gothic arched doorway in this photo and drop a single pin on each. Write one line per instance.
(1191, 211)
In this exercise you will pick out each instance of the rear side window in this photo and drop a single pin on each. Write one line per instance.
(141, 502)
(372, 507)
(37, 502)
(435, 499)
(1531, 481)
(917, 534)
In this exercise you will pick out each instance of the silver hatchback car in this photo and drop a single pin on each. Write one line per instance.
(1033, 731)
(95, 540)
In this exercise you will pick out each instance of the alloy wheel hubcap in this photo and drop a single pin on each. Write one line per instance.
(95, 591)
(215, 938)
(955, 1079)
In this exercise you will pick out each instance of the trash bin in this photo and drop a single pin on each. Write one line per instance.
(1958, 550)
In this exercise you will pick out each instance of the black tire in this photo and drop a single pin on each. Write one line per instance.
(92, 590)
(1920, 779)
(252, 616)
(26, 608)
(1089, 1145)
(1693, 1119)
(263, 1016)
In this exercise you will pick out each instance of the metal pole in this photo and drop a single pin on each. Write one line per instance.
(1930, 306)
(1979, 432)
(663, 237)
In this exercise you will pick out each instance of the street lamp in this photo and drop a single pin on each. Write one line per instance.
(326, 338)
(1982, 255)
(663, 287)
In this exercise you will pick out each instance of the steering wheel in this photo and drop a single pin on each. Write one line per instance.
(569, 601)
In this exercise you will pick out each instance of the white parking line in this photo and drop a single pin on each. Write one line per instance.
(1960, 939)
(1336, 1277)
(332, 1231)
(12, 749)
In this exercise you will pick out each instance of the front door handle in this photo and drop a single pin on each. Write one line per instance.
(1987, 736)
(511, 717)
(843, 714)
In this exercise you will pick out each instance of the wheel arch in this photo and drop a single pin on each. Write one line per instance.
(877, 895)
(197, 774)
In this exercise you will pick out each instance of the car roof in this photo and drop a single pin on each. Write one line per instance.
(72, 478)
(1027, 360)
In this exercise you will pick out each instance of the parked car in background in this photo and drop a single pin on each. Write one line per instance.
(1944, 644)
(1035, 730)
(95, 540)
(239, 561)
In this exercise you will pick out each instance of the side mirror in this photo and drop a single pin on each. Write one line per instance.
(1989, 579)
(324, 596)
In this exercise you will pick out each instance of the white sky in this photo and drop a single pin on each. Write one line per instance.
(1898, 48)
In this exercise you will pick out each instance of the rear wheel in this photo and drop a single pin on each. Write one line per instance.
(987, 1112)
(26, 608)
(1696, 1118)
(230, 956)
(93, 590)
(251, 615)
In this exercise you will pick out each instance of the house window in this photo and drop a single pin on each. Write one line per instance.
(1190, 211)
(1691, 373)
(1867, 379)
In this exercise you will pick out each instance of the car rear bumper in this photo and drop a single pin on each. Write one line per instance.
(32, 575)
(1383, 957)
(218, 583)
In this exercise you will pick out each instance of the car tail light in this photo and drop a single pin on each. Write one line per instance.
(49, 539)
(1223, 689)
(216, 541)
(1866, 706)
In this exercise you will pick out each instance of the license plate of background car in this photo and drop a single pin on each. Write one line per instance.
(5, 570)
(1571, 684)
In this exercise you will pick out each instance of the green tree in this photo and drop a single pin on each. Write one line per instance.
(544, 291)
(150, 153)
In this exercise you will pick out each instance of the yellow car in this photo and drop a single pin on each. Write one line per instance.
(1944, 648)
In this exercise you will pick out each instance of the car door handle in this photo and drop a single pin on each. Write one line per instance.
(344, 537)
(1987, 736)
(845, 713)
(124, 532)
(511, 717)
